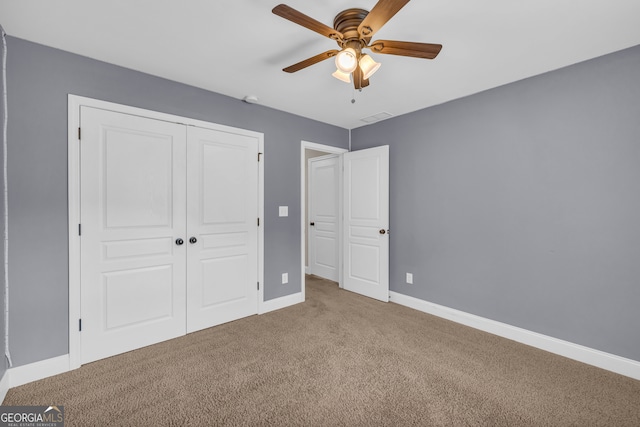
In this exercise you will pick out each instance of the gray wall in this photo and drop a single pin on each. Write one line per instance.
(522, 203)
(39, 80)
(3, 363)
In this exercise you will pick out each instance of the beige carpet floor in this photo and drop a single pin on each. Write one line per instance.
(339, 359)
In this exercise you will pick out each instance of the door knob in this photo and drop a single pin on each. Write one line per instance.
(179, 242)
(193, 240)
(383, 231)
(312, 224)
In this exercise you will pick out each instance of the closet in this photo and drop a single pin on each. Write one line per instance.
(168, 229)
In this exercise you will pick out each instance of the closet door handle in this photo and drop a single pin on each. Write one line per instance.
(179, 242)
(312, 224)
(193, 240)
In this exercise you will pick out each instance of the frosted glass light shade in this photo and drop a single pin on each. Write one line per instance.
(346, 60)
(368, 66)
(345, 77)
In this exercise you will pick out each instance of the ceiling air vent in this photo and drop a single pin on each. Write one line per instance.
(376, 117)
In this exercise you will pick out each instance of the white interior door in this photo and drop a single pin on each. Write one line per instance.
(133, 203)
(366, 222)
(324, 180)
(222, 197)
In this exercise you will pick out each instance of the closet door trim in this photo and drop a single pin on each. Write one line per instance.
(74, 140)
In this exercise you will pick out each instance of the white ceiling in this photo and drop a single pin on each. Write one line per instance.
(238, 47)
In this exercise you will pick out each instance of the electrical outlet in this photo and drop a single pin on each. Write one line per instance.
(285, 278)
(410, 278)
(283, 210)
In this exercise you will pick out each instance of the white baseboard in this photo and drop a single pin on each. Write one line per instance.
(38, 370)
(282, 302)
(610, 362)
(20, 375)
(4, 386)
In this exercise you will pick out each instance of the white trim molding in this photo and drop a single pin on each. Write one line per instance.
(600, 359)
(282, 302)
(38, 370)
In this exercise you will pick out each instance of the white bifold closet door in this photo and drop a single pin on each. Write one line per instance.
(222, 211)
(169, 235)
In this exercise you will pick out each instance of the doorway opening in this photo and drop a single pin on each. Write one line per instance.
(308, 151)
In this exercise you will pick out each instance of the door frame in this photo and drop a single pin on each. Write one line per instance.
(303, 208)
(74, 104)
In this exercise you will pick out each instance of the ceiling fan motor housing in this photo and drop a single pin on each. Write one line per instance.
(347, 22)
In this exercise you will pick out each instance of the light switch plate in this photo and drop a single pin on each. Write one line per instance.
(285, 278)
(284, 211)
(410, 278)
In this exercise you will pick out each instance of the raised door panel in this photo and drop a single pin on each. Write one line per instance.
(222, 195)
(132, 211)
(366, 223)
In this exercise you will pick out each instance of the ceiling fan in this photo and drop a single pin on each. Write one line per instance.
(353, 30)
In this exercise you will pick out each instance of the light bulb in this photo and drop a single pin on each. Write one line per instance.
(368, 66)
(346, 60)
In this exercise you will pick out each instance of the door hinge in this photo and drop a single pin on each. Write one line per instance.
(259, 154)
(79, 229)
(258, 222)
(80, 325)
(79, 134)
(258, 285)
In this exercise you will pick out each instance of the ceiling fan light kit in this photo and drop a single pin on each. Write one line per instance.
(341, 75)
(353, 30)
(347, 60)
(368, 66)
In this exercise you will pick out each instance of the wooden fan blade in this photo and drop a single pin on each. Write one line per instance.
(379, 15)
(310, 61)
(358, 81)
(413, 49)
(300, 18)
